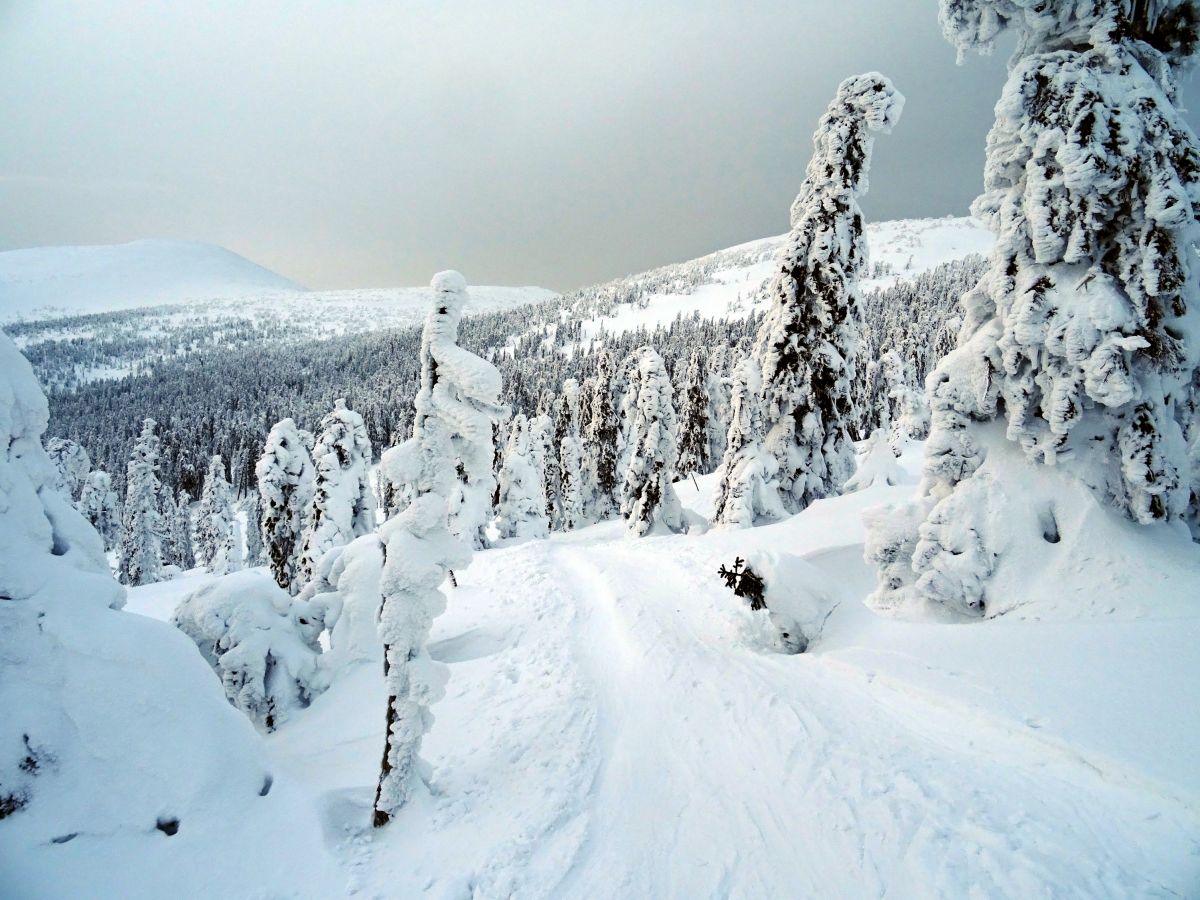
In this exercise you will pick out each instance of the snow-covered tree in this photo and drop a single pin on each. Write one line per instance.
(177, 531)
(878, 465)
(218, 544)
(719, 413)
(570, 457)
(1080, 337)
(142, 524)
(99, 504)
(285, 482)
(694, 410)
(343, 505)
(601, 438)
(807, 345)
(255, 555)
(910, 411)
(648, 499)
(546, 429)
(259, 641)
(73, 465)
(521, 511)
(455, 408)
(746, 491)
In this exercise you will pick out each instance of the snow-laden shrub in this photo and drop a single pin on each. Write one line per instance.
(1081, 336)
(261, 642)
(789, 599)
(808, 343)
(648, 499)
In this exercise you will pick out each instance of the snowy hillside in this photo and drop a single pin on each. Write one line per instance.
(50, 282)
(617, 725)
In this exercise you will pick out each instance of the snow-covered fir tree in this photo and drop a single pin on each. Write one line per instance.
(255, 555)
(807, 346)
(285, 482)
(177, 530)
(909, 409)
(343, 504)
(73, 465)
(648, 499)
(570, 457)
(746, 491)
(142, 524)
(99, 504)
(547, 419)
(521, 511)
(878, 464)
(1078, 344)
(454, 411)
(218, 544)
(719, 413)
(694, 410)
(601, 437)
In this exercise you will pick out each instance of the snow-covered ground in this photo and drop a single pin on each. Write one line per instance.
(48, 282)
(617, 726)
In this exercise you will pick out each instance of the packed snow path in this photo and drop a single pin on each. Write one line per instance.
(614, 728)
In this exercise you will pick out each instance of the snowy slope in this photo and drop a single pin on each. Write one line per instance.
(615, 726)
(46, 282)
(899, 250)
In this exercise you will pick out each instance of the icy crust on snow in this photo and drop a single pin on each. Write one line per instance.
(123, 771)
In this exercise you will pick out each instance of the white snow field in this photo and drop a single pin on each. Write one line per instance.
(617, 725)
(47, 282)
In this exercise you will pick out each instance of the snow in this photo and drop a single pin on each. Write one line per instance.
(47, 282)
(616, 724)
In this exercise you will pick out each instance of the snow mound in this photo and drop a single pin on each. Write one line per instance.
(49, 282)
(123, 771)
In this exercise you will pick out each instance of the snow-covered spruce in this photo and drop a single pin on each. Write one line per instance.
(746, 491)
(547, 428)
(99, 504)
(260, 642)
(570, 457)
(178, 548)
(285, 482)
(218, 544)
(142, 525)
(808, 343)
(255, 555)
(73, 465)
(454, 411)
(1079, 343)
(718, 387)
(878, 464)
(648, 499)
(694, 410)
(909, 409)
(521, 511)
(601, 437)
(343, 504)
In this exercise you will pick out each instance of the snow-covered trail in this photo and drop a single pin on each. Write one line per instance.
(614, 729)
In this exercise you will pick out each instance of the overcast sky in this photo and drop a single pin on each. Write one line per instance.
(348, 143)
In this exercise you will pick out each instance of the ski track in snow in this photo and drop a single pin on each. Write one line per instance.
(611, 730)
